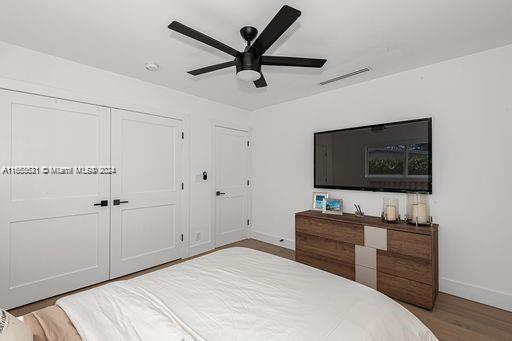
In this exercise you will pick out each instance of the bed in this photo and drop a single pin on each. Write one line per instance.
(234, 294)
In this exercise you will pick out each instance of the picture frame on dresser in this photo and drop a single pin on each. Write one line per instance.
(318, 200)
(332, 206)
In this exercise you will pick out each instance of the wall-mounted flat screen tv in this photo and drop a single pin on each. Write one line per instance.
(390, 157)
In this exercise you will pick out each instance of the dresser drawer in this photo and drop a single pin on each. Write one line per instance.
(341, 251)
(366, 276)
(413, 268)
(410, 244)
(413, 292)
(366, 256)
(336, 230)
(376, 237)
(325, 263)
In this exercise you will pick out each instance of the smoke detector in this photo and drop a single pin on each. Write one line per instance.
(153, 67)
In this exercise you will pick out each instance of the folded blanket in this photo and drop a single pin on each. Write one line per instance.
(51, 324)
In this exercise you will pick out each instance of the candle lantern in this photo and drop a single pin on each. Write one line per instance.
(390, 211)
(418, 211)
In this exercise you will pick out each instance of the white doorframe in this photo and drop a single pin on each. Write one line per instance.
(70, 95)
(213, 175)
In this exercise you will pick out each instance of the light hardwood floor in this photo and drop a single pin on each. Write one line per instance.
(452, 318)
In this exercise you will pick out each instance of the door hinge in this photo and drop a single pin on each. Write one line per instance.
(182, 135)
(182, 186)
(248, 143)
(182, 237)
(248, 222)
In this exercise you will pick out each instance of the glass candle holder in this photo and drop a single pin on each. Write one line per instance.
(418, 210)
(390, 210)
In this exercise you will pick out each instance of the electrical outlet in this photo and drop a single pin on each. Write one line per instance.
(198, 236)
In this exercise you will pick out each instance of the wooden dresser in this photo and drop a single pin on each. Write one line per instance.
(399, 260)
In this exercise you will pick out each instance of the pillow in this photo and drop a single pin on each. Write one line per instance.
(12, 329)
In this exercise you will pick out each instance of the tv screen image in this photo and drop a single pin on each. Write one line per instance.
(393, 157)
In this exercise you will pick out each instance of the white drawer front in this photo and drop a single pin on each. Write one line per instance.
(366, 276)
(376, 237)
(366, 256)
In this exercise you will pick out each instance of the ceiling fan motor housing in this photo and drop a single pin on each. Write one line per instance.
(247, 61)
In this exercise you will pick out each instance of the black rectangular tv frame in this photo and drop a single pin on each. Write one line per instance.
(374, 189)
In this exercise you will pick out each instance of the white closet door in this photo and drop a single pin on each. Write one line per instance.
(231, 176)
(52, 238)
(146, 224)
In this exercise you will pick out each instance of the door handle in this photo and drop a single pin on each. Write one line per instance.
(101, 203)
(219, 193)
(118, 202)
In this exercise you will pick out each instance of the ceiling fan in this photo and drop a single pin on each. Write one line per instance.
(248, 63)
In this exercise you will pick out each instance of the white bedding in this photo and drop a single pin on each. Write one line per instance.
(240, 294)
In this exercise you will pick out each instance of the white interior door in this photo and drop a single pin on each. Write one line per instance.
(52, 238)
(146, 224)
(231, 184)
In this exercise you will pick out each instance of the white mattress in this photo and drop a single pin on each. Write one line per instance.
(240, 294)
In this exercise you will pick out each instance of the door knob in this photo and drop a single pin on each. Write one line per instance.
(119, 202)
(219, 193)
(101, 203)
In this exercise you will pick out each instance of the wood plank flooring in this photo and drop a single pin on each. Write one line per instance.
(452, 318)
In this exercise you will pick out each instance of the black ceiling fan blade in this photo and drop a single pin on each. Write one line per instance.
(277, 26)
(190, 32)
(211, 68)
(292, 61)
(260, 83)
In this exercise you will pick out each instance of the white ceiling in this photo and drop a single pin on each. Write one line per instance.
(389, 36)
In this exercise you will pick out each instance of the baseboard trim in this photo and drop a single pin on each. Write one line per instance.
(200, 248)
(476, 293)
(287, 243)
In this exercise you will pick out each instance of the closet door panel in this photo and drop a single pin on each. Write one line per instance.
(146, 224)
(52, 237)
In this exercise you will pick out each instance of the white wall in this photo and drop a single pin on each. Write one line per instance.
(31, 71)
(470, 100)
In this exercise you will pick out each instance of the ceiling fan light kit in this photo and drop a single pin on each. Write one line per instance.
(248, 75)
(248, 63)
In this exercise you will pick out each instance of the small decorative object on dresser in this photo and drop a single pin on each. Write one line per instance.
(390, 211)
(418, 212)
(359, 212)
(398, 260)
(333, 206)
(318, 200)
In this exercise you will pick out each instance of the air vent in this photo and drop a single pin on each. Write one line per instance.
(366, 69)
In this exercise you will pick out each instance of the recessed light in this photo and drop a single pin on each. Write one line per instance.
(153, 67)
